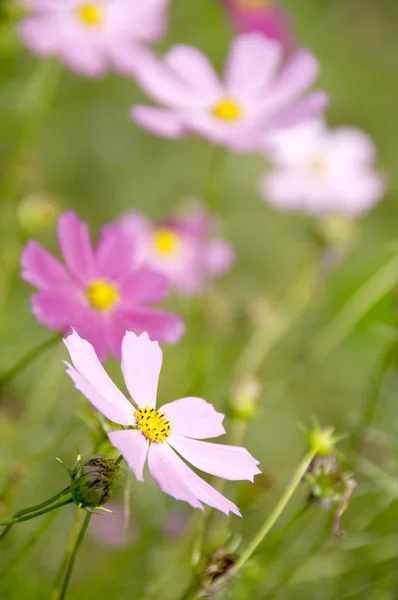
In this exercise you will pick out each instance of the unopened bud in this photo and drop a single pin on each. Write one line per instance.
(92, 480)
(246, 391)
(37, 212)
(331, 487)
(322, 440)
(219, 563)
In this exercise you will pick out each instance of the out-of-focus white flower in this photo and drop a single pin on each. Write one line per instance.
(317, 170)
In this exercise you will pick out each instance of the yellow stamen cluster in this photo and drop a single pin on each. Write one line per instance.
(90, 14)
(153, 423)
(166, 241)
(101, 295)
(317, 165)
(228, 110)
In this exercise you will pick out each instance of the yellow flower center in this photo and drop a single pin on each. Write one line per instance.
(153, 423)
(227, 110)
(90, 14)
(317, 165)
(166, 241)
(102, 295)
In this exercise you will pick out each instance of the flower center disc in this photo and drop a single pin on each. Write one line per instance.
(153, 423)
(228, 110)
(102, 295)
(317, 165)
(166, 241)
(90, 14)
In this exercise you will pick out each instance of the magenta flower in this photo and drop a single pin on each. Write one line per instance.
(159, 436)
(93, 37)
(262, 16)
(252, 99)
(318, 171)
(181, 247)
(98, 292)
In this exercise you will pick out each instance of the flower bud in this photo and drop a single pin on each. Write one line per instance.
(246, 391)
(322, 440)
(331, 487)
(219, 563)
(37, 212)
(92, 480)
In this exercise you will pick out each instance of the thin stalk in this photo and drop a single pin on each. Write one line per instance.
(213, 180)
(58, 582)
(74, 554)
(35, 508)
(29, 357)
(36, 514)
(32, 541)
(278, 510)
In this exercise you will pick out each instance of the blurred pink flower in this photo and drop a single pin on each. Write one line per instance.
(253, 98)
(98, 292)
(318, 170)
(92, 37)
(262, 16)
(175, 525)
(108, 529)
(157, 433)
(181, 247)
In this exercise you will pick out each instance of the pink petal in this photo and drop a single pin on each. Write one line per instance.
(163, 85)
(229, 462)
(40, 35)
(144, 286)
(351, 145)
(91, 326)
(133, 445)
(112, 255)
(175, 478)
(92, 377)
(218, 257)
(195, 70)
(85, 57)
(308, 108)
(108, 408)
(165, 327)
(159, 121)
(41, 269)
(252, 62)
(75, 244)
(164, 470)
(194, 417)
(295, 78)
(55, 308)
(141, 365)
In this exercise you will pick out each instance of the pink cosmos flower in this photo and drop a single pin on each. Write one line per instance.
(252, 98)
(180, 247)
(98, 292)
(91, 37)
(159, 436)
(263, 16)
(318, 170)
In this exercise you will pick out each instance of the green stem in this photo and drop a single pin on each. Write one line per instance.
(7, 376)
(73, 556)
(213, 180)
(369, 410)
(9, 567)
(68, 552)
(36, 514)
(35, 508)
(368, 295)
(278, 510)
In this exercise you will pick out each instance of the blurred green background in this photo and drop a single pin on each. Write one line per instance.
(89, 157)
